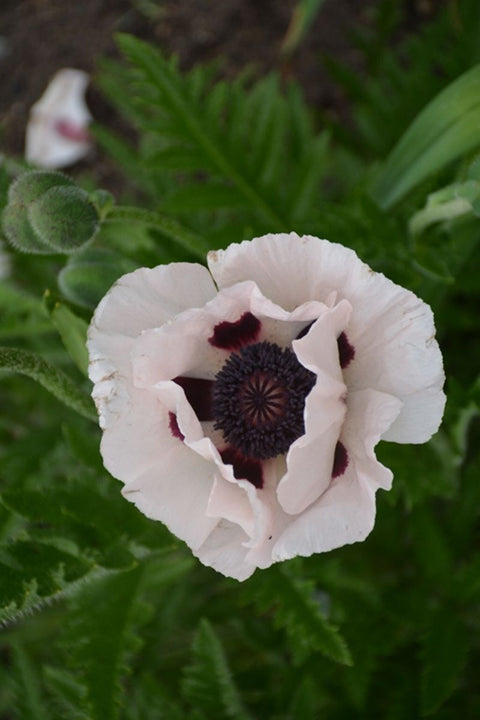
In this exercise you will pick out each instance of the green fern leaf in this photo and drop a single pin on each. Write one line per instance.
(68, 695)
(208, 683)
(162, 76)
(100, 636)
(298, 611)
(35, 572)
(29, 701)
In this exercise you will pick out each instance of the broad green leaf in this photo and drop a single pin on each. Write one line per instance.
(444, 131)
(208, 682)
(90, 273)
(50, 377)
(72, 329)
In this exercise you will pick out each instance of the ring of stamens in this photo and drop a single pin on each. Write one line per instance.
(259, 399)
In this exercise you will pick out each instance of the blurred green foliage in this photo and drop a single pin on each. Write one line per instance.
(106, 615)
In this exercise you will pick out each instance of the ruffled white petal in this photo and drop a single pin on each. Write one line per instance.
(345, 513)
(225, 551)
(310, 458)
(189, 332)
(175, 491)
(391, 329)
(144, 299)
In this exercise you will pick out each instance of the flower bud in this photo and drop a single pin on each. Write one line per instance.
(48, 213)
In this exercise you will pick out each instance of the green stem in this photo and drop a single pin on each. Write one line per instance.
(167, 226)
(50, 377)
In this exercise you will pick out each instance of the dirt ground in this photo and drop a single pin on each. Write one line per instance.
(38, 37)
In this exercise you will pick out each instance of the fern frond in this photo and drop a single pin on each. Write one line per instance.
(208, 683)
(299, 613)
(254, 140)
(101, 635)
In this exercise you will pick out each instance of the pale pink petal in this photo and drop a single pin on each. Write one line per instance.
(393, 334)
(421, 415)
(288, 269)
(175, 491)
(137, 435)
(229, 500)
(144, 299)
(57, 129)
(345, 513)
(225, 552)
(189, 333)
(391, 329)
(310, 458)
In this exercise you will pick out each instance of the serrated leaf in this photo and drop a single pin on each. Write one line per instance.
(299, 613)
(50, 377)
(160, 75)
(444, 653)
(68, 694)
(33, 573)
(100, 635)
(30, 703)
(208, 682)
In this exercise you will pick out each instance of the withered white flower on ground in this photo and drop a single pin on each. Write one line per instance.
(57, 130)
(241, 406)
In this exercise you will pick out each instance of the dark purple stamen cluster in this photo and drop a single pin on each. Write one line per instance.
(259, 398)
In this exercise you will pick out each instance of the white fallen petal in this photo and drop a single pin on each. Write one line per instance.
(57, 130)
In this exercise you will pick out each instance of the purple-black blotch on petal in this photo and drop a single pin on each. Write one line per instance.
(199, 394)
(346, 351)
(340, 460)
(243, 468)
(234, 335)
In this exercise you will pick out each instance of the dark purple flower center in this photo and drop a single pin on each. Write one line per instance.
(258, 400)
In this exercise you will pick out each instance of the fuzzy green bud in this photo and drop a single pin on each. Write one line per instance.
(47, 212)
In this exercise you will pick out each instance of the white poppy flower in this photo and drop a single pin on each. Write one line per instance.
(241, 406)
(57, 130)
